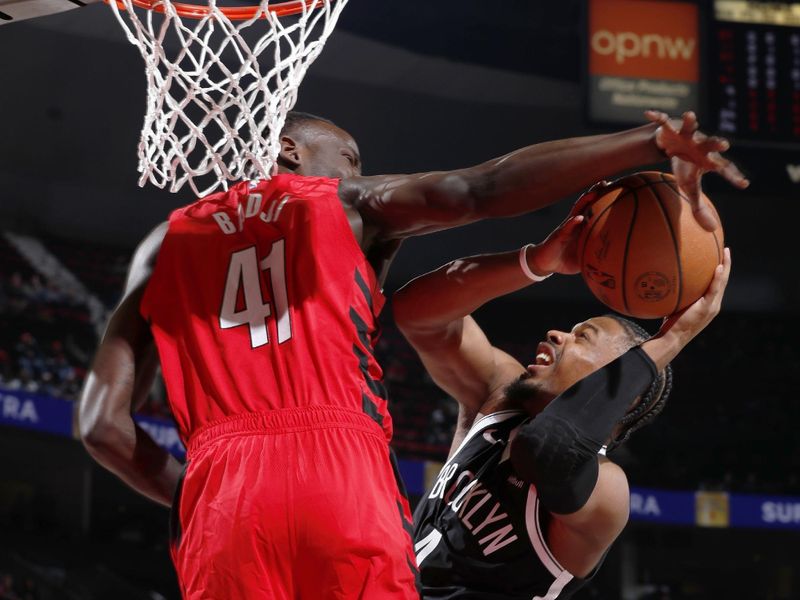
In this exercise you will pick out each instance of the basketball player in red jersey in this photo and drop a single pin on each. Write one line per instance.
(260, 304)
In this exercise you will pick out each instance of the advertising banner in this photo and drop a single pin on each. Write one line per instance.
(413, 474)
(773, 512)
(165, 434)
(660, 506)
(643, 54)
(712, 509)
(33, 411)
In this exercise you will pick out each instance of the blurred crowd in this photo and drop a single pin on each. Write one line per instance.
(12, 588)
(732, 419)
(40, 367)
(45, 335)
(727, 426)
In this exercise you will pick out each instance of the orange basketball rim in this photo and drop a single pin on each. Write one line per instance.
(234, 13)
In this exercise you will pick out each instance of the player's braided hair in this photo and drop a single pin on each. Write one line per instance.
(652, 400)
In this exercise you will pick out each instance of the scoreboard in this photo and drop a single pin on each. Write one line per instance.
(754, 71)
(735, 62)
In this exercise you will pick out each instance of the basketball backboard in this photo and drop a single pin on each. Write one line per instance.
(19, 10)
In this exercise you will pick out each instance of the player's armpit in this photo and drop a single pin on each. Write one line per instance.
(109, 391)
(580, 540)
(462, 361)
(128, 329)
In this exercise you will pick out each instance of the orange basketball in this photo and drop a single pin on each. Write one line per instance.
(642, 252)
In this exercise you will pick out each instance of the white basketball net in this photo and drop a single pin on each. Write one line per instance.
(214, 114)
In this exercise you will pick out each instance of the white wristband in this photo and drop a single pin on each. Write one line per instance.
(523, 263)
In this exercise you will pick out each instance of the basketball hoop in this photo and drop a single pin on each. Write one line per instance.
(238, 13)
(214, 114)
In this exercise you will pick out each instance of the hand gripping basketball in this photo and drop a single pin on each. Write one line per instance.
(589, 197)
(679, 329)
(687, 323)
(558, 253)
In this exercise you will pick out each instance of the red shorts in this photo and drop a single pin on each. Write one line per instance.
(292, 504)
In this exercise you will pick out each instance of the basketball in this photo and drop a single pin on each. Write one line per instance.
(642, 252)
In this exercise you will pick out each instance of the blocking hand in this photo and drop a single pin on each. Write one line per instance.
(694, 153)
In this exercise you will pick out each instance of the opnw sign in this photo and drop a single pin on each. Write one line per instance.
(642, 54)
(626, 46)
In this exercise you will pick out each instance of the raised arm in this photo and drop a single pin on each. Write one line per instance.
(119, 380)
(433, 311)
(557, 451)
(529, 178)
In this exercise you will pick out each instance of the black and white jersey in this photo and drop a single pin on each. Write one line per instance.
(480, 532)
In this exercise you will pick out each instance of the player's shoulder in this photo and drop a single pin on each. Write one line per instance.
(144, 257)
(302, 186)
(614, 481)
(509, 416)
(148, 248)
(373, 190)
(354, 191)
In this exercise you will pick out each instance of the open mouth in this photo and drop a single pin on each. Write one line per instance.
(545, 355)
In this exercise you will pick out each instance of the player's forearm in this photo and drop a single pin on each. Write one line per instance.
(457, 289)
(664, 347)
(557, 451)
(398, 206)
(130, 453)
(107, 428)
(542, 174)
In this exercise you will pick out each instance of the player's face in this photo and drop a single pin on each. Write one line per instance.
(328, 151)
(566, 357)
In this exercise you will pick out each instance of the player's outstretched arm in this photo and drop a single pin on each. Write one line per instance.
(524, 180)
(119, 380)
(433, 311)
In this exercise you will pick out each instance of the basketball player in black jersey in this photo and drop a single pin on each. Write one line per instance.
(527, 504)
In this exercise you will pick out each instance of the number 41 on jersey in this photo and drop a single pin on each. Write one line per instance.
(245, 272)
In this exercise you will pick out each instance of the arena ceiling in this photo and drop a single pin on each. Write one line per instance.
(541, 38)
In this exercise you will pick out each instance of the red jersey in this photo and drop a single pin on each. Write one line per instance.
(262, 299)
